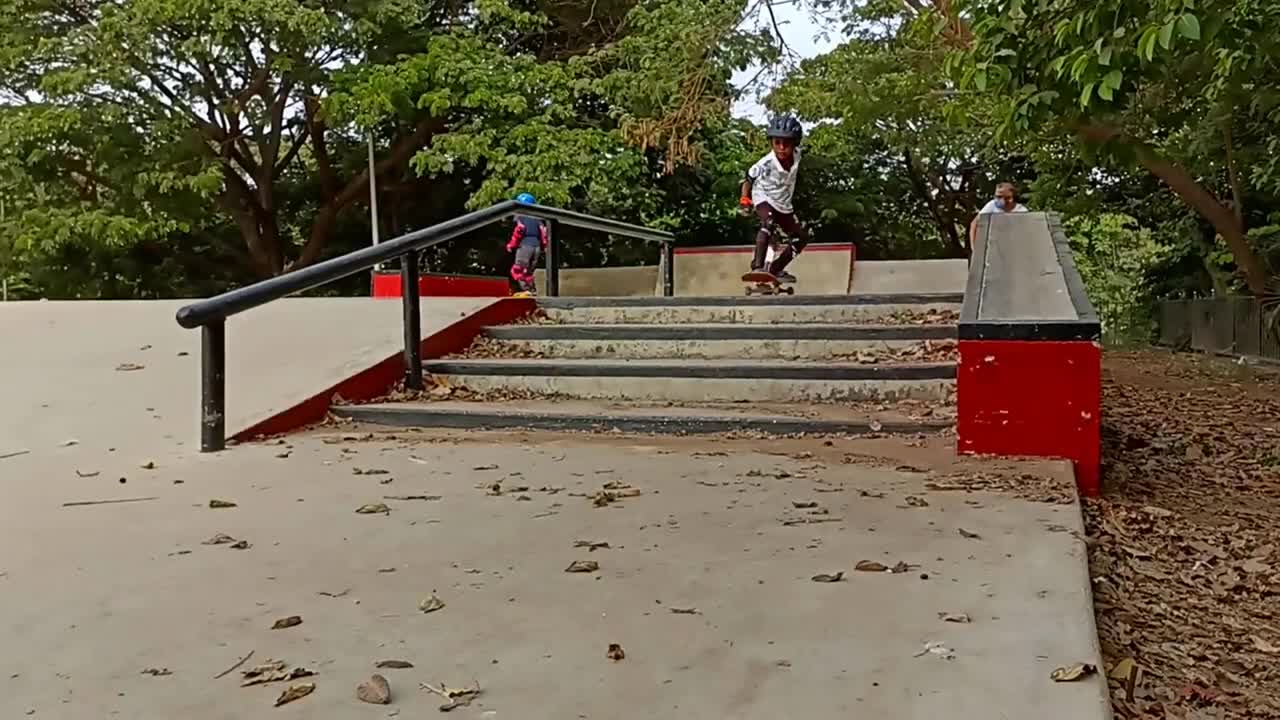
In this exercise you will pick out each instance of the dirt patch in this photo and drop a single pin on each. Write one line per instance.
(1183, 545)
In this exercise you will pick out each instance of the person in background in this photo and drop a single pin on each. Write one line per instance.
(528, 240)
(1005, 201)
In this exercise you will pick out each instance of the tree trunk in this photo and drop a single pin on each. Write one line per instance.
(1193, 194)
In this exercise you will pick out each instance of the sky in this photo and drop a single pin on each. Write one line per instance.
(802, 33)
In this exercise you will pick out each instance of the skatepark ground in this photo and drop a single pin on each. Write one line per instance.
(706, 583)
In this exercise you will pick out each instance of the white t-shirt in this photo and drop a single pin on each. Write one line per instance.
(993, 207)
(772, 184)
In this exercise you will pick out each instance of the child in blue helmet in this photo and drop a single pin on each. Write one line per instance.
(528, 239)
(767, 192)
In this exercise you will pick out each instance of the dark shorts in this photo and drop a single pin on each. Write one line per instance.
(770, 217)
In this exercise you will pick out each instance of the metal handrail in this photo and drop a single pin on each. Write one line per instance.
(210, 314)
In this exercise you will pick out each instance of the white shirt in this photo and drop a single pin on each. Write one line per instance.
(772, 184)
(993, 207)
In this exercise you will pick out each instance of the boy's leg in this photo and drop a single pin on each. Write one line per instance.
(766, 215)
(800, 238)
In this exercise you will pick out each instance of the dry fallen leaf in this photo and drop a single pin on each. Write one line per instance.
(615, 652)
(915, 501)
(969, 535)
(1071, 673)
(287, 622)
(129, 367)
(219, 539)
(456, 697)
(582, 566)
(870, 566)
(373, 509)
(241, 545)
(591, 545)
(431, 604)
(828, 577)
(215, 504)
(1264, 646)
(413, 497)
(263, 668)
(277, 676)
(376, 690)
(157, 672)
(961, 618)
(295, 692)
(1122, 670)
(393, 664)
(937, 649)
(686, 611)
(804, 504)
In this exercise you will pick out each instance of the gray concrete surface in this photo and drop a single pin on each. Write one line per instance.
(606, 281)
(905, 276)
(59, 379)
(746, 312)
(821, 271)
(741, 349)
(1023, 280)
(701, 390)
(90, 597)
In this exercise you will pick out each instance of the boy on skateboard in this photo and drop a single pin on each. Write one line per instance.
(767, 191)
(528, 240)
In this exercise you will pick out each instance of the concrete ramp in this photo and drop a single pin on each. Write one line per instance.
(909, 276)
(123, 374)
(718, 270)
(604, 282)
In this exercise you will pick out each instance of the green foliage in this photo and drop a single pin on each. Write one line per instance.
(1116, 257)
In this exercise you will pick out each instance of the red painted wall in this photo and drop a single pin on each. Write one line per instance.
(1032, 398)
(387, 285)
(375, 381)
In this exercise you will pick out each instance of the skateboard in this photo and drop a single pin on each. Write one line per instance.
(760, 282)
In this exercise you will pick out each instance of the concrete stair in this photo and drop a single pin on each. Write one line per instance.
(780, 364)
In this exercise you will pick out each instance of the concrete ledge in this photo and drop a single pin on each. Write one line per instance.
(704, 369)
(429, 416)
(568, 303)
(1023, 283)
(799, 331)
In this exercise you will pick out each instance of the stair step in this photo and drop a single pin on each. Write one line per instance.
(721, 331)
(770, 309)
(699, 381)
(693, 368)
(580, 415)
(573, 303)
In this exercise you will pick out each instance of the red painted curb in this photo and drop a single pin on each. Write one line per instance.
(1032, 398)
(387, 285)
(377, 380)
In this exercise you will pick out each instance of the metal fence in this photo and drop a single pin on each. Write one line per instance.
(1230, 325)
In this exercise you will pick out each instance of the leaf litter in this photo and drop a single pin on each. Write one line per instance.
(1183, 542)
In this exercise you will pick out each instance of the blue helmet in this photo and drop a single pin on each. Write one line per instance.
(527, 199)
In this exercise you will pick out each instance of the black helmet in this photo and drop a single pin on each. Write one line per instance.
(785, 126)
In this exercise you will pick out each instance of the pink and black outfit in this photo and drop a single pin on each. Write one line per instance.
(528, 239)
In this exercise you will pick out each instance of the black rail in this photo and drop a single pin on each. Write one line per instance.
(211, 314)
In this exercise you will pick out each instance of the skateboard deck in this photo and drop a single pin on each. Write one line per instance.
(763, 283)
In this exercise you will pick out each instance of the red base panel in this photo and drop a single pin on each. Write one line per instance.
(1032, 398)
(377, 380)
(387, 285)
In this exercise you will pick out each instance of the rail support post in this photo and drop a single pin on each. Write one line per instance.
(412, 320)
(668, 270)
(553, 258)
(213, 386)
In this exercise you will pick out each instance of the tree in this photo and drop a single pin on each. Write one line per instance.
(885, 91)
(1188, 91)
